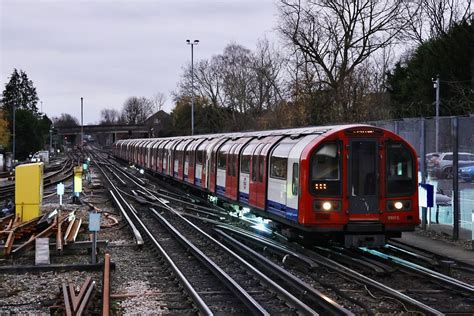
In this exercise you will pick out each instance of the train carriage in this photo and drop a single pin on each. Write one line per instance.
(190, 160)
(357, 183)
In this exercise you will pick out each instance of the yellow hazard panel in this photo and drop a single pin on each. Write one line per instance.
(78, 179)
(28, 190)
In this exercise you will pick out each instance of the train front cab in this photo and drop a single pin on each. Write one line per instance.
(360, 181)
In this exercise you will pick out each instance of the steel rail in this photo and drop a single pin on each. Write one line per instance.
(230, 283)
(333, 265)
(447, 280)
(136, 233)
(262, 276)
(202, 306)
(337, 267)
(271, 246)
(306, 290)
(106, 286)
(269, 282)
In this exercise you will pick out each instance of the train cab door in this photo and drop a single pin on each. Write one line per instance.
(363, 177)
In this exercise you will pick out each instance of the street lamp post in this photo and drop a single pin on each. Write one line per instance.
(14, 134)
(436, 86)
(51, 151)
(82, 123)
(195, 42)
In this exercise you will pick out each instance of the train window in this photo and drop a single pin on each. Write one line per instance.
(254, 168)
(278, 167)
(326, 170)
(230, 171)
(245, 164)
(221, 160)
(400, 170)
(199, 156)
(260, 169)
(187, 159)
(325, 164)
(295, 179)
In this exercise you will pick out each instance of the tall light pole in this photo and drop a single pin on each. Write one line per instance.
(82, 122)
(14, 134)
(436, 86)
(195, 42)
(51, 151)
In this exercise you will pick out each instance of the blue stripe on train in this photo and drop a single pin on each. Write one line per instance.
(197, 181)
(220, 190)
(244, 197)
(282, 210)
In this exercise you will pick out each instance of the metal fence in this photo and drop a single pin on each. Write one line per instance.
(446, 153)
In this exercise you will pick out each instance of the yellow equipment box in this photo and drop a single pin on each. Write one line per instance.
(78, 179)
(28, 190)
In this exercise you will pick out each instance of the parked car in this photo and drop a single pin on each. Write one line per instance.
(440, 165)
(466, 173)
(442, 199)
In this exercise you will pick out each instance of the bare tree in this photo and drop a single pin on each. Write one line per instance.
(237, 77)
(109, 116)
(159, 100)
(432, 18)
(267, 64)
(336, 37)
(137, 109)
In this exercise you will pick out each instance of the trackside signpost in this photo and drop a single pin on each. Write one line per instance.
(60, 192)
(94, 226)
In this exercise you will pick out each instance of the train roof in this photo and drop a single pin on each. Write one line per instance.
(296, 132)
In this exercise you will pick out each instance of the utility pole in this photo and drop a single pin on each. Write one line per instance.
(51, 151)
(14, 134)
(195, 42)
(82, 123)
(436, 86)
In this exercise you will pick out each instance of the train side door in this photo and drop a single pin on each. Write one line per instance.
(262, 176)
(363, 177)
(254, 176)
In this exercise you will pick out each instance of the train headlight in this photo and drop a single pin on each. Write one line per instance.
(333, 205)
(398, 205)
(327, 206)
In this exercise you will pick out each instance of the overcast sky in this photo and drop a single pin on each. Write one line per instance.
(108, 50)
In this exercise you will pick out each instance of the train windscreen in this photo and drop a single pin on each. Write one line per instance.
(400, 170)
(326, 170)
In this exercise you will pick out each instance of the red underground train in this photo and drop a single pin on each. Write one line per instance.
(353, 183)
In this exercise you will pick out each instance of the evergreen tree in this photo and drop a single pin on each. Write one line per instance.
(32, 128)
(451, 56)
(20, 92)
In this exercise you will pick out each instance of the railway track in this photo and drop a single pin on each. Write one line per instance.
(58, 173)
(429, 299)
(420, 283)
(230, 277)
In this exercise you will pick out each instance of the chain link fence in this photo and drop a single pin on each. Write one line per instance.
(446, 159)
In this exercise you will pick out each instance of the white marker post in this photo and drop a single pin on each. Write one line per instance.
(94, 226)
(60, 192)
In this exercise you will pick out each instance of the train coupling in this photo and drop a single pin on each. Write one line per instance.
(370, 241)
